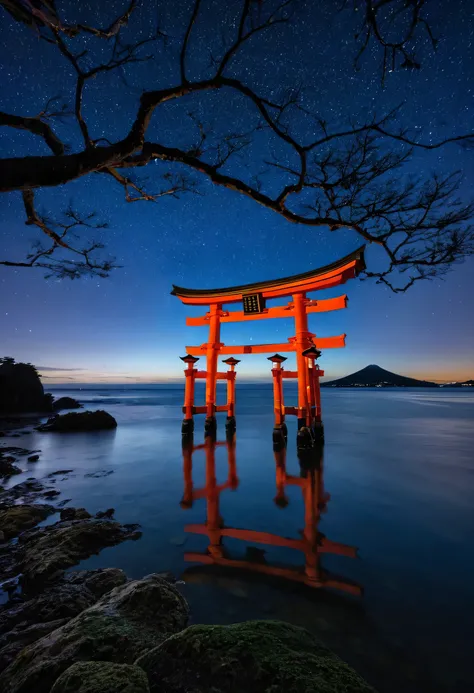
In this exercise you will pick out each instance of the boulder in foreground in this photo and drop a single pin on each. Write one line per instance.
(252, 657)
(101, 677)
(121, 626)
(22, 623)
(66, 403)
(84, 421)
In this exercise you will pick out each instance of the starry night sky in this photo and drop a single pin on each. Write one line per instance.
(129, 327)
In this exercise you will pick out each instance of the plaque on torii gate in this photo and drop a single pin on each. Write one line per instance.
(304, 344)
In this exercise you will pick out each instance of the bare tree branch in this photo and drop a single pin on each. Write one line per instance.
(348, 178)
(36, 126)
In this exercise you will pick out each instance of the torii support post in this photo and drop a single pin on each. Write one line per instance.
(280, 431)
(212, 352)
(314, 374)
(231, 374)
(187, 427)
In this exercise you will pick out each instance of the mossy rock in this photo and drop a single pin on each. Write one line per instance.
(26, 622)
(47, 550)
(251, 657)
(17, 518)
(123, 624)
(101, 677)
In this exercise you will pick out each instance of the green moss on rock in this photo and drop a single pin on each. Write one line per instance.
(101, 677)
(17, 518)
(47, 550)
(251, 657)
(126, 622)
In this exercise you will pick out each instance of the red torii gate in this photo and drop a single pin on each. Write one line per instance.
(305, 343)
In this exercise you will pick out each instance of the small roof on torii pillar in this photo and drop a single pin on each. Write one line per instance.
(325, 277)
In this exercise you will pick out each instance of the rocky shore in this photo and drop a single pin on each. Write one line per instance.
(95, 631)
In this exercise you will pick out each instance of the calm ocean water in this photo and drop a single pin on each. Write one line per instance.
(399, 468)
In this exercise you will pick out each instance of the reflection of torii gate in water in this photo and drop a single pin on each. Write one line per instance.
(312, 543)
(304, 344)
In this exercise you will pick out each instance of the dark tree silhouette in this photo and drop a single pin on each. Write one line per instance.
(339, 179)
(21, 389)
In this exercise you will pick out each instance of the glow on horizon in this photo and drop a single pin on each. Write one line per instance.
(85, 376)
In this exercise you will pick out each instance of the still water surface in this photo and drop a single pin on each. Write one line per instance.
(396, 480)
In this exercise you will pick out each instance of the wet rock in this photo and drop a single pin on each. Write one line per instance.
(74, 514)
(66, 403)
(7, 468)
(13, 450)
(60, 472)
(33, 458)
(12, 643)
(17, 518)
(99, 581)
(85, 421)
(122, 625)
(109, 513)
(51, 494)
(28, 491)
(252, 657)
(25, 622)
(101, 677)
(47, 550)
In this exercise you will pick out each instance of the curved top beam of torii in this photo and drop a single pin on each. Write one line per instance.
(322, 278)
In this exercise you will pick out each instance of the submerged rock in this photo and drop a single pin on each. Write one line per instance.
(17, 518)
(47, 550)
(109, 513)
(25, 622)
(85, 421)
(66, 403)
(28, 491)
(33, 458)
(102, 677)
(122, 625)
(252, 657)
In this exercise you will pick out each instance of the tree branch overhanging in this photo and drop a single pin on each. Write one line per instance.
(349, 178)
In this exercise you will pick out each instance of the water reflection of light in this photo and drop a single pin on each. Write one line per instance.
(312, 543)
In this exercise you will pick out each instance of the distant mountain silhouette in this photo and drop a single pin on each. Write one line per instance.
(466, 383)
(374, 376)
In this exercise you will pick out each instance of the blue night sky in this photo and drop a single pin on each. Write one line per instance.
(128, 327)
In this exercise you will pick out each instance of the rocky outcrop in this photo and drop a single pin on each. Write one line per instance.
(21, 389)
(252, 657)
(66, 403)
(101, 677)
(7, 468)
(84, 421)
(24, 622)
(74, 514)
(122, 625)
(17, 518)
(45, 551)
(28, 491)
